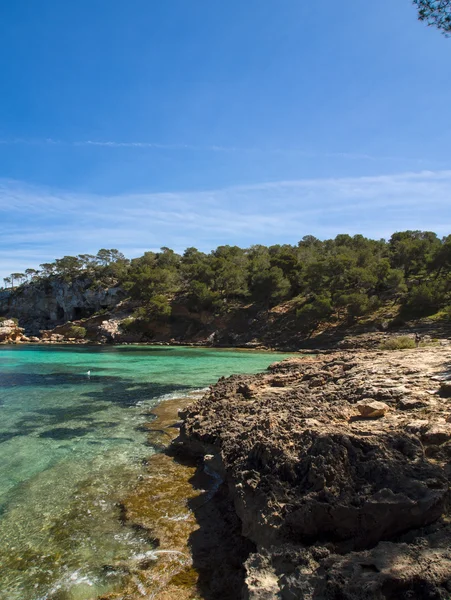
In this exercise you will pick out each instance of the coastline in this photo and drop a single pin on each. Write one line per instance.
(98, 420)
(185, 508)
(265, 468)
(277, 440)
(330, 340)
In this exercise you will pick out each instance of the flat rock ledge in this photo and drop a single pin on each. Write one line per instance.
(338, 467)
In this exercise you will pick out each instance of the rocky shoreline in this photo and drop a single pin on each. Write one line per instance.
(436, 333)
(332, 479)
(337, 467)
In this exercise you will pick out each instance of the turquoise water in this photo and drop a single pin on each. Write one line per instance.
(72, 444)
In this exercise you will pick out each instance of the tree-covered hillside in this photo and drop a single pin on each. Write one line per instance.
(338, 279)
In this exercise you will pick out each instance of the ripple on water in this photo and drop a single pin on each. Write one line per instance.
(64, 520)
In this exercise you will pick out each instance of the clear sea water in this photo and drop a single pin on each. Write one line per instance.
(72, 444)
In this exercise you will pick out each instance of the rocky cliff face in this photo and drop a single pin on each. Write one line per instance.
(45, 304)
(108, 316)
(338, 467)
(11, 333)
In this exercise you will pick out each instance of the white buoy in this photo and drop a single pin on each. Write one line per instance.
(88, 373)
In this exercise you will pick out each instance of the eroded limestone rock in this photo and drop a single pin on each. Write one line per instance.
(372, 409)
(10, 331)
(339, 507)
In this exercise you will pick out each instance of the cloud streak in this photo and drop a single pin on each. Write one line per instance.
(212, 148)
(39, 223)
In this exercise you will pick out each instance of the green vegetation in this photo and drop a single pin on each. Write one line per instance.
(401, 342)
(105, 264)
(345, 279)
(75, 331)
(128, 324)
(317, 309)
(436, 13)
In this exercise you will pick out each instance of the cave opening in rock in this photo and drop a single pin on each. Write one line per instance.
(78, 312)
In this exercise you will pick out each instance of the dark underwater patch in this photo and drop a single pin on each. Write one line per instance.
(5, 436)
(127, 393)
(65, 433)
(56, 415)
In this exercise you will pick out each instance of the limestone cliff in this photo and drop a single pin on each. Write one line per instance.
(108, 316)
(10, 332)
(46, 303)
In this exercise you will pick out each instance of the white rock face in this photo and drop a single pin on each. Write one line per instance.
(10, 331)
(45, 304)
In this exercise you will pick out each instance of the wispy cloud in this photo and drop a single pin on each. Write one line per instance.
(37, 224)
(212, 148)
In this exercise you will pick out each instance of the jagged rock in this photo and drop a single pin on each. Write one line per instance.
(262, 582)
(445, 389)
(302, 470)
(247, 390)
(10, 331)
(362, 490)
(418, 426)
(47, 303)
(372, 409)
(438, 434)
(420, 570)
(110, 329)
(411, 404)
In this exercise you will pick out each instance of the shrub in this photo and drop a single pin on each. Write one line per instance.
(396, 322)
(356, 304)
(401, 342)
(270, 286)
(77, 332)
(130, 325)
(315, 311)
(125, 324)
(200, 297)
(157, 308)
(424, 299)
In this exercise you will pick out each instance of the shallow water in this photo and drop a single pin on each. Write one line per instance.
(72, 445)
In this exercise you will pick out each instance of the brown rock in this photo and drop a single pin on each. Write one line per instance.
(303, 475)
(417, 426)
(438, 434)
(247, 390)
(411, 404)
(389, 571)
(10, 331)
(372, 409)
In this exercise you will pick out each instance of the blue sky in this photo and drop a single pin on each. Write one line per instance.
(200, 122)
